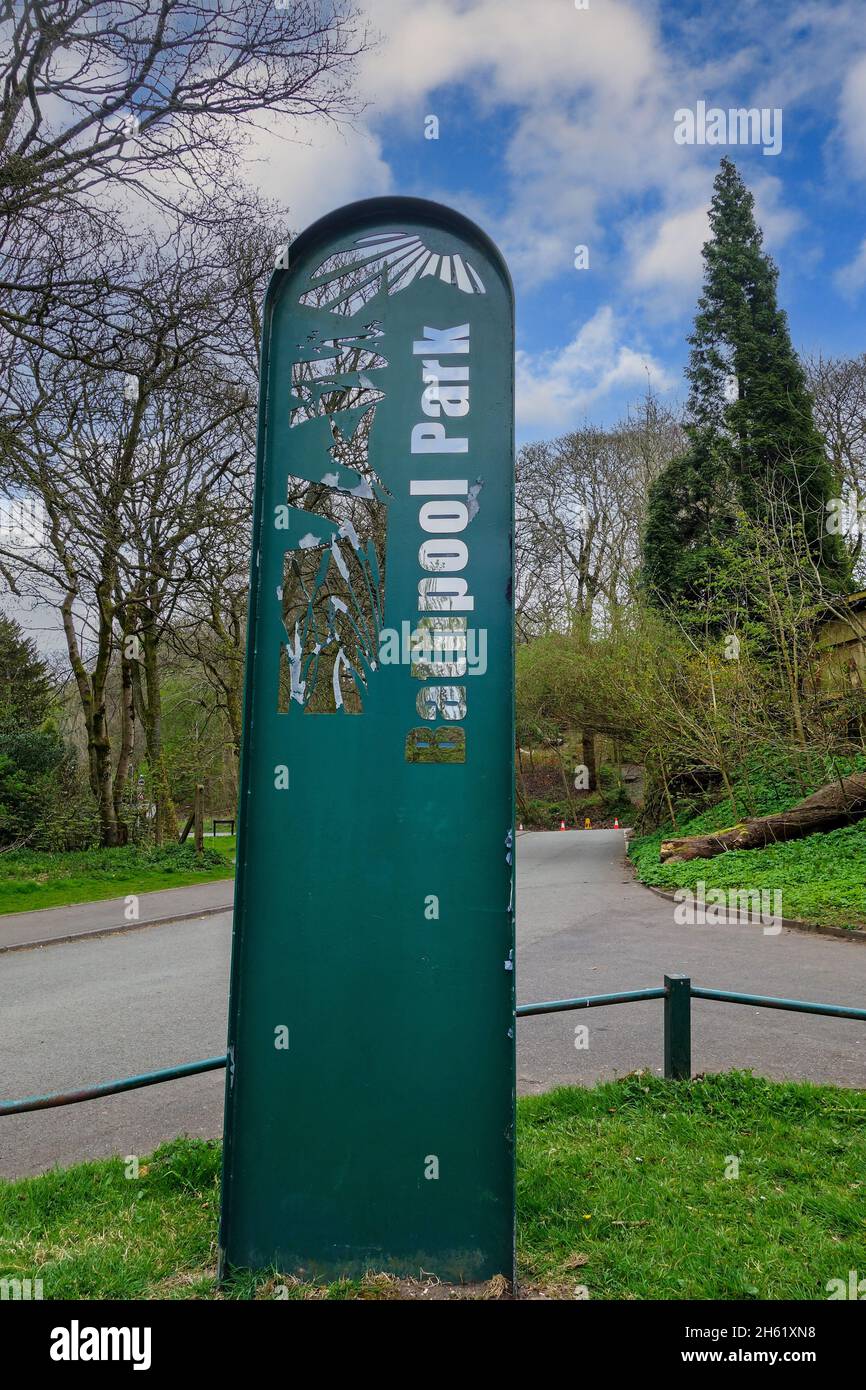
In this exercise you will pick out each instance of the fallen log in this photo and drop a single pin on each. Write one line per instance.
(838, 803)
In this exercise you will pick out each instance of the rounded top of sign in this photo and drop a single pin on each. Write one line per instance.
(370, 211)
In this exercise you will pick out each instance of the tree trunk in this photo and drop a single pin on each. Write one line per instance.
(566, 784)
(165, 821)
(101, 746)
(91, 690)
(127, 743)
(838, 803)
(521, 781)
(589, 762)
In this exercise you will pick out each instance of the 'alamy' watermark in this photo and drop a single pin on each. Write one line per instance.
(846, 516)
(19, 1290)
(703, 908)
(738, 126)
(22, 522)
(77, 1343)
(854, 1288)
(437, 646)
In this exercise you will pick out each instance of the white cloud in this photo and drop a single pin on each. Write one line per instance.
(672, 256)
(522, 51)
(589, 98)
(553, 388)
(777, 221)
(852, 116)
(330, 166)
(851, 279)
(587, 114)
(666, 250)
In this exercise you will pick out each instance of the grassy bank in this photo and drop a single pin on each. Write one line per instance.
(621, 1189)
(32, 879)
(822, 878)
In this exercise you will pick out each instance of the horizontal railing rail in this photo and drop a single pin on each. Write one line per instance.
(677, 993)
(590, 1001)
(764, 1001)
(110, 1088)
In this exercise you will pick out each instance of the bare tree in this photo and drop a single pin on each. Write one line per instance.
(144, 97)
(130, 468)
(209, 625)
(579, 511)
(838, 387)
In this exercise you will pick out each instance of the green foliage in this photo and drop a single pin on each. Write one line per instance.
(546, 813)
(759, 453)
(29, 879)
(551, 689)
(615, 798)
(822, 877)
(25, 685)
(42, 800)
(688, 517)
(196, 743)
(567, 681)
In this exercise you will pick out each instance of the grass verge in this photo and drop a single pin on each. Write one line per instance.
(32, 879)
(621, 1189)
(821, 878)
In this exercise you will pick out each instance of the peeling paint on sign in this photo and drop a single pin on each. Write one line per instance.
(377, 764)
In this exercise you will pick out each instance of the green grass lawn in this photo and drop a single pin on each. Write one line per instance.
(822, 877)
(621, 1189)
(32, 879)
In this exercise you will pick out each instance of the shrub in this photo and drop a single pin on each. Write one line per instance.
(42, 799)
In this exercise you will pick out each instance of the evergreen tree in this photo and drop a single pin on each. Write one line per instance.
(25, 683)
(753, 444)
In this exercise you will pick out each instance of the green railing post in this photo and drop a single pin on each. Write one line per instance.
(678, 1027)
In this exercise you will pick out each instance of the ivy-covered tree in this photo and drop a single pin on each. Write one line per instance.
(754, 448)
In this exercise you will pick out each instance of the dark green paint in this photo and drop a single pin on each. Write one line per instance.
(401, 1028)
(678, 1027)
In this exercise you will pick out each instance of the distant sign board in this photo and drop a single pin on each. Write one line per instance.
(370, 1085)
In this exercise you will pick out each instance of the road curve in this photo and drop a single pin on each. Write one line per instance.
(77, 1013)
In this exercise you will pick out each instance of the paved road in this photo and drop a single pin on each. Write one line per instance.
(93, 1009)
(586, 927)
(19, 929)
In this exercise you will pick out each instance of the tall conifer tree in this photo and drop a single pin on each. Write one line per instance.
(753, 444)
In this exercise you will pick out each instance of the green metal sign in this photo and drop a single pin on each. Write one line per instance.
(370, 1084)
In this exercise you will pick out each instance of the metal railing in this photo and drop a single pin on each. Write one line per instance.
(110, 1088)
(677, 993)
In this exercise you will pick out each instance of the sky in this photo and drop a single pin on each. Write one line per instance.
(560, 125)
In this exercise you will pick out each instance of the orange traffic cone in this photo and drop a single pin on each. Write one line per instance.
(562, 825)
(615, 823)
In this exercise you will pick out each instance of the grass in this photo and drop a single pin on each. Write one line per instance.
(32, 879)
(621, 1188)
(631, 1175)
(822, 878)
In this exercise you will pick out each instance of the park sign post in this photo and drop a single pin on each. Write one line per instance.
(370, 1079)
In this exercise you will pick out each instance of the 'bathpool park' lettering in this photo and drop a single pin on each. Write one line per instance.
(446, 505)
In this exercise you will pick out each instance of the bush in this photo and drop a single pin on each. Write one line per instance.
(42, 800)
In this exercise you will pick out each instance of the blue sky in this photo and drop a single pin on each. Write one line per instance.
(556, 128)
